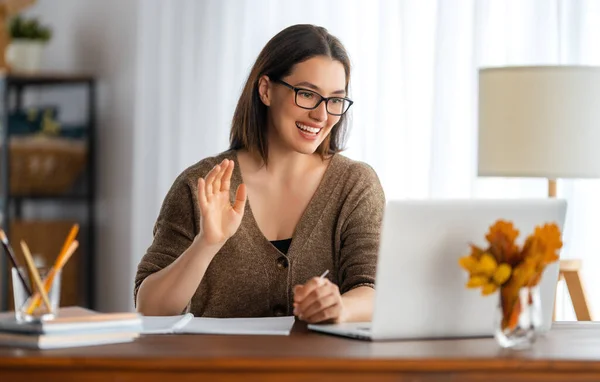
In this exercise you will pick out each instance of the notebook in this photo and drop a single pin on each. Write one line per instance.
(73, 326)
(59, 341)
(74, 320)
(187, 323)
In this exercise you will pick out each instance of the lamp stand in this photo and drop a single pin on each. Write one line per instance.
(569, 271)
(552, 188)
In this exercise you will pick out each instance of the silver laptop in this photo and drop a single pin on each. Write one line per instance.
(420, 291)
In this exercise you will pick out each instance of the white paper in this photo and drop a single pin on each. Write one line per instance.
(164, 324)
(273, 326)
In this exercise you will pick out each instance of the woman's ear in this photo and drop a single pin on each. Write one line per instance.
(264, 90)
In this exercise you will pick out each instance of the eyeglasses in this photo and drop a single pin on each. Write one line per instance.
(310, 100)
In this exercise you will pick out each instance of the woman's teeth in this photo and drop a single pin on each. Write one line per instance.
(314, 130)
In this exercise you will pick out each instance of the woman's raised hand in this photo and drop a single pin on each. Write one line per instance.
(219, 219)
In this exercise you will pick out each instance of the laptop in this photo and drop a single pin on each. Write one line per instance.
(420, 291)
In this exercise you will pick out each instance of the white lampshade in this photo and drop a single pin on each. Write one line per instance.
(539, 121)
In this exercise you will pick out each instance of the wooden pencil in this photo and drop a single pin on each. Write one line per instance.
(35, 275)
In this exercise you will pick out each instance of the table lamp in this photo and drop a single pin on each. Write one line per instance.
(542, 121)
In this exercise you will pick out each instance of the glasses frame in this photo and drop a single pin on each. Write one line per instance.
(326, 99)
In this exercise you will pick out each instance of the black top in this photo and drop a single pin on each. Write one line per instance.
(282, 245)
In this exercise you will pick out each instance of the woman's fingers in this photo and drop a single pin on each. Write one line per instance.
(322, 291)
(202, 194)
(240, 199)
(309, 287)
(318, 305)
(317, 300)
(220, 219)
(330, 314)
(210, 178)
(217, 182)
(226, 180)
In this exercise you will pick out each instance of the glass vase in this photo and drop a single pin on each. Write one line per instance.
(518, 317)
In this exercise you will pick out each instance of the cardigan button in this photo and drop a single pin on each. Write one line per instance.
(282, 263)
(279, 310)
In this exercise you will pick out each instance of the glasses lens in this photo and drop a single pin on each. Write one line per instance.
(337, 106)
(307, 99)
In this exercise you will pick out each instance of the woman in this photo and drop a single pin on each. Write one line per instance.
(248, 232)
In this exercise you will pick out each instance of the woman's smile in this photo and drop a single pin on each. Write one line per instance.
(308, 131)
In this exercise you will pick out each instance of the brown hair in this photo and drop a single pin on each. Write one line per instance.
(289, 47)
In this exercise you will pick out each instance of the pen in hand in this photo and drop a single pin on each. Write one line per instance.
(320, 283)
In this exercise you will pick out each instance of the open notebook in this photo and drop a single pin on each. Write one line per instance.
(187, 323)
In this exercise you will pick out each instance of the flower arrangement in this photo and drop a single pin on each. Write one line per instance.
(505, 266)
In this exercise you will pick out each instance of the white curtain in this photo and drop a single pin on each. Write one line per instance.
(414, 83)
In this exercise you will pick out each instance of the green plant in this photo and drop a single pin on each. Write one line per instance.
(30, 29)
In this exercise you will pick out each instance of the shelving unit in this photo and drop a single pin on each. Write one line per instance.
(13, 89)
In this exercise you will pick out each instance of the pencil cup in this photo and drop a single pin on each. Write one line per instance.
(23, 301)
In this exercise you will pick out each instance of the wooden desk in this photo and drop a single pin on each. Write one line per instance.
(569, 353)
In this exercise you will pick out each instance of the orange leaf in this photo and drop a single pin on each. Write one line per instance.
(468, 263)
(476, 281)
(502, 236)
(476, 252)
(488, 289)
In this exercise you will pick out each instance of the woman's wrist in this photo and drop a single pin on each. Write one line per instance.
(344, 315)
(203, 247)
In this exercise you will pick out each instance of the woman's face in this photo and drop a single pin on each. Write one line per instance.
(293, 127)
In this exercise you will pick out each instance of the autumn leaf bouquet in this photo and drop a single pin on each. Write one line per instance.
(506, 267)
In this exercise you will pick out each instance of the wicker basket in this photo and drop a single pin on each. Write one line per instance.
(44, 165)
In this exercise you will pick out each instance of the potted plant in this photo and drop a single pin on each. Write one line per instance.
(28, 39)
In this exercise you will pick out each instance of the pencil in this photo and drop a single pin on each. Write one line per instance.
(58, 265)
(13, 259)
(61, 260)
(35, 275)
(68, 241)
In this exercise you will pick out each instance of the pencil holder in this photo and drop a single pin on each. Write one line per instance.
(28, 307)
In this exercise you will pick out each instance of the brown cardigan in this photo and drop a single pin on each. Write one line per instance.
(249, 277)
